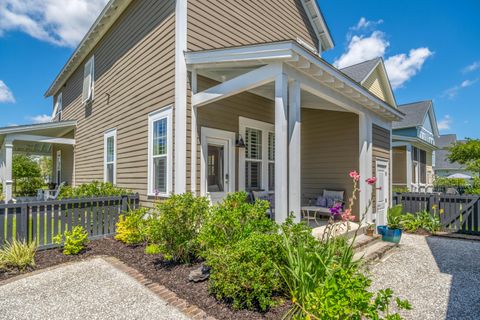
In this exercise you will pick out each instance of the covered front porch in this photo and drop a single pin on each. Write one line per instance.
(277, 118)
(55, 139)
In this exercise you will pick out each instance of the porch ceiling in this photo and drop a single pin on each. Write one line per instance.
(226, 64)
(35, 137)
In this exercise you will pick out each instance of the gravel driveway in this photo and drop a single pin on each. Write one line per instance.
(91, 289)
(439, 276)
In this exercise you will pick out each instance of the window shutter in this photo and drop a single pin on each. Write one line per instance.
(87, 80)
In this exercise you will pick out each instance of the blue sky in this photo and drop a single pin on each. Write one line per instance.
(431, 48)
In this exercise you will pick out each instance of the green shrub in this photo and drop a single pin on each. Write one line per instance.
(410, 223)
(131, 227)
(152, 249)
(344, 295)
(18, 255)
(73, 241)
(175, 224)
(244, 273)
(394, 217)
(450, 182)
(232, 220)
(421, 220)
(93, 189)
(396, 189)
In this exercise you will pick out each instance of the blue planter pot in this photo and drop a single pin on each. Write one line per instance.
(392, 235)
(381, 230)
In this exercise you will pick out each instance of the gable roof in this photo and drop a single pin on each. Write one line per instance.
(114, 9)
(360, 71)
(364, 71)
(444, 142)
(415, 115)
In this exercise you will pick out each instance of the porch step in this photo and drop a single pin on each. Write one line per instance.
(362, 241)
(374, 251)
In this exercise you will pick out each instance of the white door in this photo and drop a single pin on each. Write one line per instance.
(218, 160)
(382, 194)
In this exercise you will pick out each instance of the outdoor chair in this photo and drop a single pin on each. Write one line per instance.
(53, 194)
(316, 205)
(267, 196)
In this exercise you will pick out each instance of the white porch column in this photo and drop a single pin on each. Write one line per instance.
(194, 138)
(281, 148)
(294, 150)
(8, 158)
(365, 164)
(409, 163)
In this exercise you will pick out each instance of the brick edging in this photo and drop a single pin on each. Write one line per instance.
(165, 294)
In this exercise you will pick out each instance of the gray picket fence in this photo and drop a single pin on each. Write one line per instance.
(458, 213)
(40, 221)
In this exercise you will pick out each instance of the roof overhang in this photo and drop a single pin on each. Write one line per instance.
(41, 134)
(108, 16)
(383, 72)
(319, 24)
(303, 60)
(416, 141)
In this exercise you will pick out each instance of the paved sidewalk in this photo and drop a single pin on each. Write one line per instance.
(92, 289)
(439, 276)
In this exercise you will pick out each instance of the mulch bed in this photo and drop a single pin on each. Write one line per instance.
(174, 277)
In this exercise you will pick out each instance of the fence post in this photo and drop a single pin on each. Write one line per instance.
(22, 224)
(125, 204)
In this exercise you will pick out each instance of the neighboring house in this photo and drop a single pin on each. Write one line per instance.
(213, 97)
(414, 147)
(443, 167)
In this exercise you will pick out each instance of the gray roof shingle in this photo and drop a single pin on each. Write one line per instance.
(360, 71)
(443, 142)
(414, 114)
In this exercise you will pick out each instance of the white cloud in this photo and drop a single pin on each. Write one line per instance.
(472, 67)
(363, 23)
(42, 118)
(453, 91)
(6, 94)
(402, 67)
(61, 22)
(363, 48)
(445, 123)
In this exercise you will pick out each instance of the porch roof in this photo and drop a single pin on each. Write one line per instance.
(301, 59)
(37, 138)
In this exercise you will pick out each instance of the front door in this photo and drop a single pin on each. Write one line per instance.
(382, 194)
(217, 163)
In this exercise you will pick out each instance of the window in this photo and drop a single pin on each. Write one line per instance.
(58, 168)
(59, 106)
(160, 152)
(259, 156)
(110, 156)
(88, 80)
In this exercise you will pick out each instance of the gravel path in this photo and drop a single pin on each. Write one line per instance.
(439, 276)
(91, 289)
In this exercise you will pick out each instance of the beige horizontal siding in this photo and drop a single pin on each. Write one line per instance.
(134, 76)
(229, 23)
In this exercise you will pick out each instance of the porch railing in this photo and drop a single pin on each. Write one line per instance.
(458, 213)
(40, 221)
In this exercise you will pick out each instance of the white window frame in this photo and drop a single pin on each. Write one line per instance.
(265, 128)
(108, 134)
(90, 94)
(58, 168)
(163, 113)
(59, 106)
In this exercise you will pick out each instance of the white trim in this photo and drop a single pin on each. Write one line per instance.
(58, 106)
(281, 148)
(244, 82)
(211, 133)
(58, 167)
(180, 97)
(43, 139)
(194, 137)
(163, 113)
(319, 24)
(294, 150)
(365, 161)
(106, 135)
(265, 127)
(91, 89)
(386, 164)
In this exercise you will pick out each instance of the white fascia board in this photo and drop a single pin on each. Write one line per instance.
(420, 142)
(236, 85)
(43, 126)
(41, 139)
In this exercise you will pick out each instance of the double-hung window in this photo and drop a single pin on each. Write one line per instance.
(160, 153)
(88, 80)
(58, 107)
(259, 156)
(110, 156)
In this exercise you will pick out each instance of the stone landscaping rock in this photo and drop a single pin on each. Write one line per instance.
(200, 274)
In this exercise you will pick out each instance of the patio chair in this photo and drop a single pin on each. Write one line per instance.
(53, 194)
(320, 205)
(267, 196)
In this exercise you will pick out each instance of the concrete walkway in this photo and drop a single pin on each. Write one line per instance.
(439, 276)
(92, 289)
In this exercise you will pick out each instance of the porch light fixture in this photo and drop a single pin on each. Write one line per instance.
(240, 143)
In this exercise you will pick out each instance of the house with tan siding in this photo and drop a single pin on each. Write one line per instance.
(414, 145)
(212, 97)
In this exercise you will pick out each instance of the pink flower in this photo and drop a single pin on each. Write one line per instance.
(348, 216)
(354, 175)
(371, 180)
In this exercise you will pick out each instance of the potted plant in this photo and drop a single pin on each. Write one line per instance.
(370, 229)
(393, 231)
